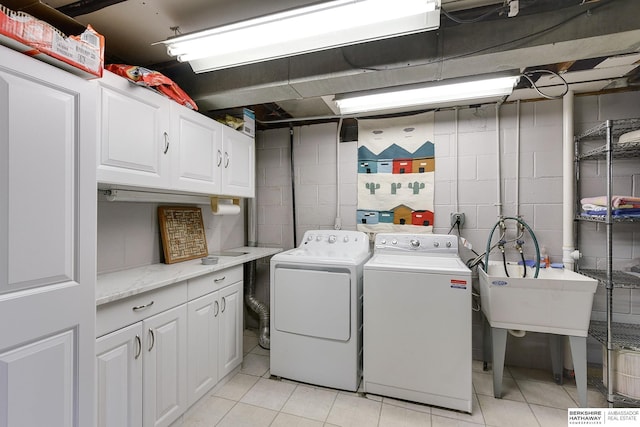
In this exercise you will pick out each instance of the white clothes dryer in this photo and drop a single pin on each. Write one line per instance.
(417, 321)
(316, 309)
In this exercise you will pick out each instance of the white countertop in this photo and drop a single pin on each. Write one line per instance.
(122, 284)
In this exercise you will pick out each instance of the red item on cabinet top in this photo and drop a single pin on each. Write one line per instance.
(82, 54)
(153, 80)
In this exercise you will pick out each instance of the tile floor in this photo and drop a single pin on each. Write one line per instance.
(251, 398)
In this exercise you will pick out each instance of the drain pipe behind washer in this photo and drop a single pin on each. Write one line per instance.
(255, 305)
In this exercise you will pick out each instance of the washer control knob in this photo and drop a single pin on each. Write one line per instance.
(415, 243)
(383, 241)
(332, 239)
(346, 239)
(394, 242)
(319, 238)
(448, 244)
(436, 244)
(310, 237)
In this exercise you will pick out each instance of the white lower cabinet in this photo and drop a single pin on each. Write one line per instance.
(215, 333)
(202, 371)
(164, 367)
(230, 352)
(142, 372)
(119, 371)
(151, 371)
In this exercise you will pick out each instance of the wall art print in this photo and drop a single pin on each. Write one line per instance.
(396, 168)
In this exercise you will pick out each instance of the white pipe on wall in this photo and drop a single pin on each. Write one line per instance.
(517, 160)
(568, 198)
(498, 162)
(455, 163)
(337, 225)
(568, 176)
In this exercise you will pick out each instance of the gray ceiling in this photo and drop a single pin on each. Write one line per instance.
(574, 37)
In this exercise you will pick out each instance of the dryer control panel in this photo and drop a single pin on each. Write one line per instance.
(424, 244)
(335, 243)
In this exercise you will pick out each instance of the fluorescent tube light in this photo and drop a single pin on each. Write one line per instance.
(151, 197)
(434, 95)
(307, 29)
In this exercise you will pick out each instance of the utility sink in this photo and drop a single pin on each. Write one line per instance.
(228, 253)
(558, 301)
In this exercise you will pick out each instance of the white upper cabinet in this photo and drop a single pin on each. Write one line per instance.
(238, 164)
(197, 156)
(134, 135)
(150, 141)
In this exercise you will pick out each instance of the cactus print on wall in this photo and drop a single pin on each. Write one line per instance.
(396, 168)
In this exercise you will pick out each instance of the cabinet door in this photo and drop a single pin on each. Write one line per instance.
(47, 244)
(197, 158)
(238, 163)
(134, 135)
(164, 368)
(230, 328)
(119, 374)
(202, 369)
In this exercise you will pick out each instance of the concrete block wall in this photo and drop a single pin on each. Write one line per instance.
(273, 188)
(466, 181)
(274, 204)
(315, 176)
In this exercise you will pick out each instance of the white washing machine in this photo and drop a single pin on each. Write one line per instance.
(316, 309)
(417, 321)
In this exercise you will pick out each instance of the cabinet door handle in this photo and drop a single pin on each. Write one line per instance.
(139, 346)
(153, 339)
(224, 304)
(166, 142)
(219, 158)
(220, 279)
(216, 309)
(226, 160)
(142, 307)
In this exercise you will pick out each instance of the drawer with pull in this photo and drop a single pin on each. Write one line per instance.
(118, 314)
(202, 285)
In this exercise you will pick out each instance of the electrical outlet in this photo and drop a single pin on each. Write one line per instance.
(457, 217)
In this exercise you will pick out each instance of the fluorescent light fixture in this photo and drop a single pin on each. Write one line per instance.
(444, 93)
(151, 197)
(307, 29)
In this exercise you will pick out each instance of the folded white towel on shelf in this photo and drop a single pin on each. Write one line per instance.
(592, 207)
(629, 137)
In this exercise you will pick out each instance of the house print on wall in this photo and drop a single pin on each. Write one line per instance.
(396, 169)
